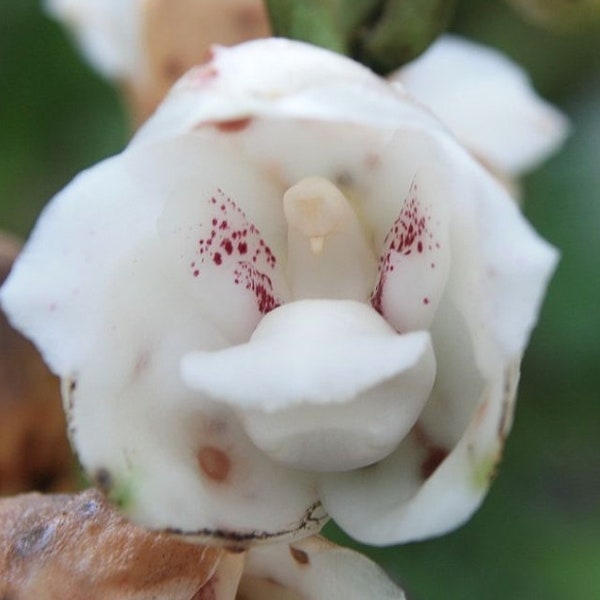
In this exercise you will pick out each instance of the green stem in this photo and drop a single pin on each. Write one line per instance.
(382, 34)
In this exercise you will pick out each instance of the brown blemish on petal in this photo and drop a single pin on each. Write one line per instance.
(344, 179)
(312, 521)
(511, 380)
(234, 125)
(299, 556)
(103, 480)
(214, 463)
(480, 413)
(435, 457)
(141, 364)
(434, 454)
(372, 160)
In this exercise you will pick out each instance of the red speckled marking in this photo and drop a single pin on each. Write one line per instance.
(232, 242)
(409, 235)
(259, 284)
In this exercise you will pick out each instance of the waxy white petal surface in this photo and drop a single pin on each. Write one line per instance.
(487, 101)
(365, 356)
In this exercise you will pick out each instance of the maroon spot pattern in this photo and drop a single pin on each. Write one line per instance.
(234, 243)
(410, 235)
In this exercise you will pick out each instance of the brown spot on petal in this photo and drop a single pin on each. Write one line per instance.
(299, 556)
(103, 480)
(214, 463)
(435, 456)
(234, 125)
(511, 379)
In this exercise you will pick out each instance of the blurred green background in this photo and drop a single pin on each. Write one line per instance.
(537, 536)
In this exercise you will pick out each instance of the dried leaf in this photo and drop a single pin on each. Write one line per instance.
(78, 547)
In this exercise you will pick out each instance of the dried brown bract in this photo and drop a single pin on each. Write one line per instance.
(78, 547)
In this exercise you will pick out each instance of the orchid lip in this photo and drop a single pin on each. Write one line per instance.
(322, 385)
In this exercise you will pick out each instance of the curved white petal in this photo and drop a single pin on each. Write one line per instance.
(313, 569)
(322, 385)
(55, 293)
(108, 31)
(500, 266)
(487, 101)
(422, 491)
(254, 80)
(224, 583)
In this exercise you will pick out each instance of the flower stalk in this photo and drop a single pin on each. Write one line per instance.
(381, 34)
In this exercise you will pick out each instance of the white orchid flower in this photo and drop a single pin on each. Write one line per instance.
(293, 295)
(488, 102)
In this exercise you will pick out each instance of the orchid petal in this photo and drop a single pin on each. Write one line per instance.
(253, 81)
(413, 267)
(224, 583)
(487, 101)
(313, 569)
(108, 32)
(500, 267)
